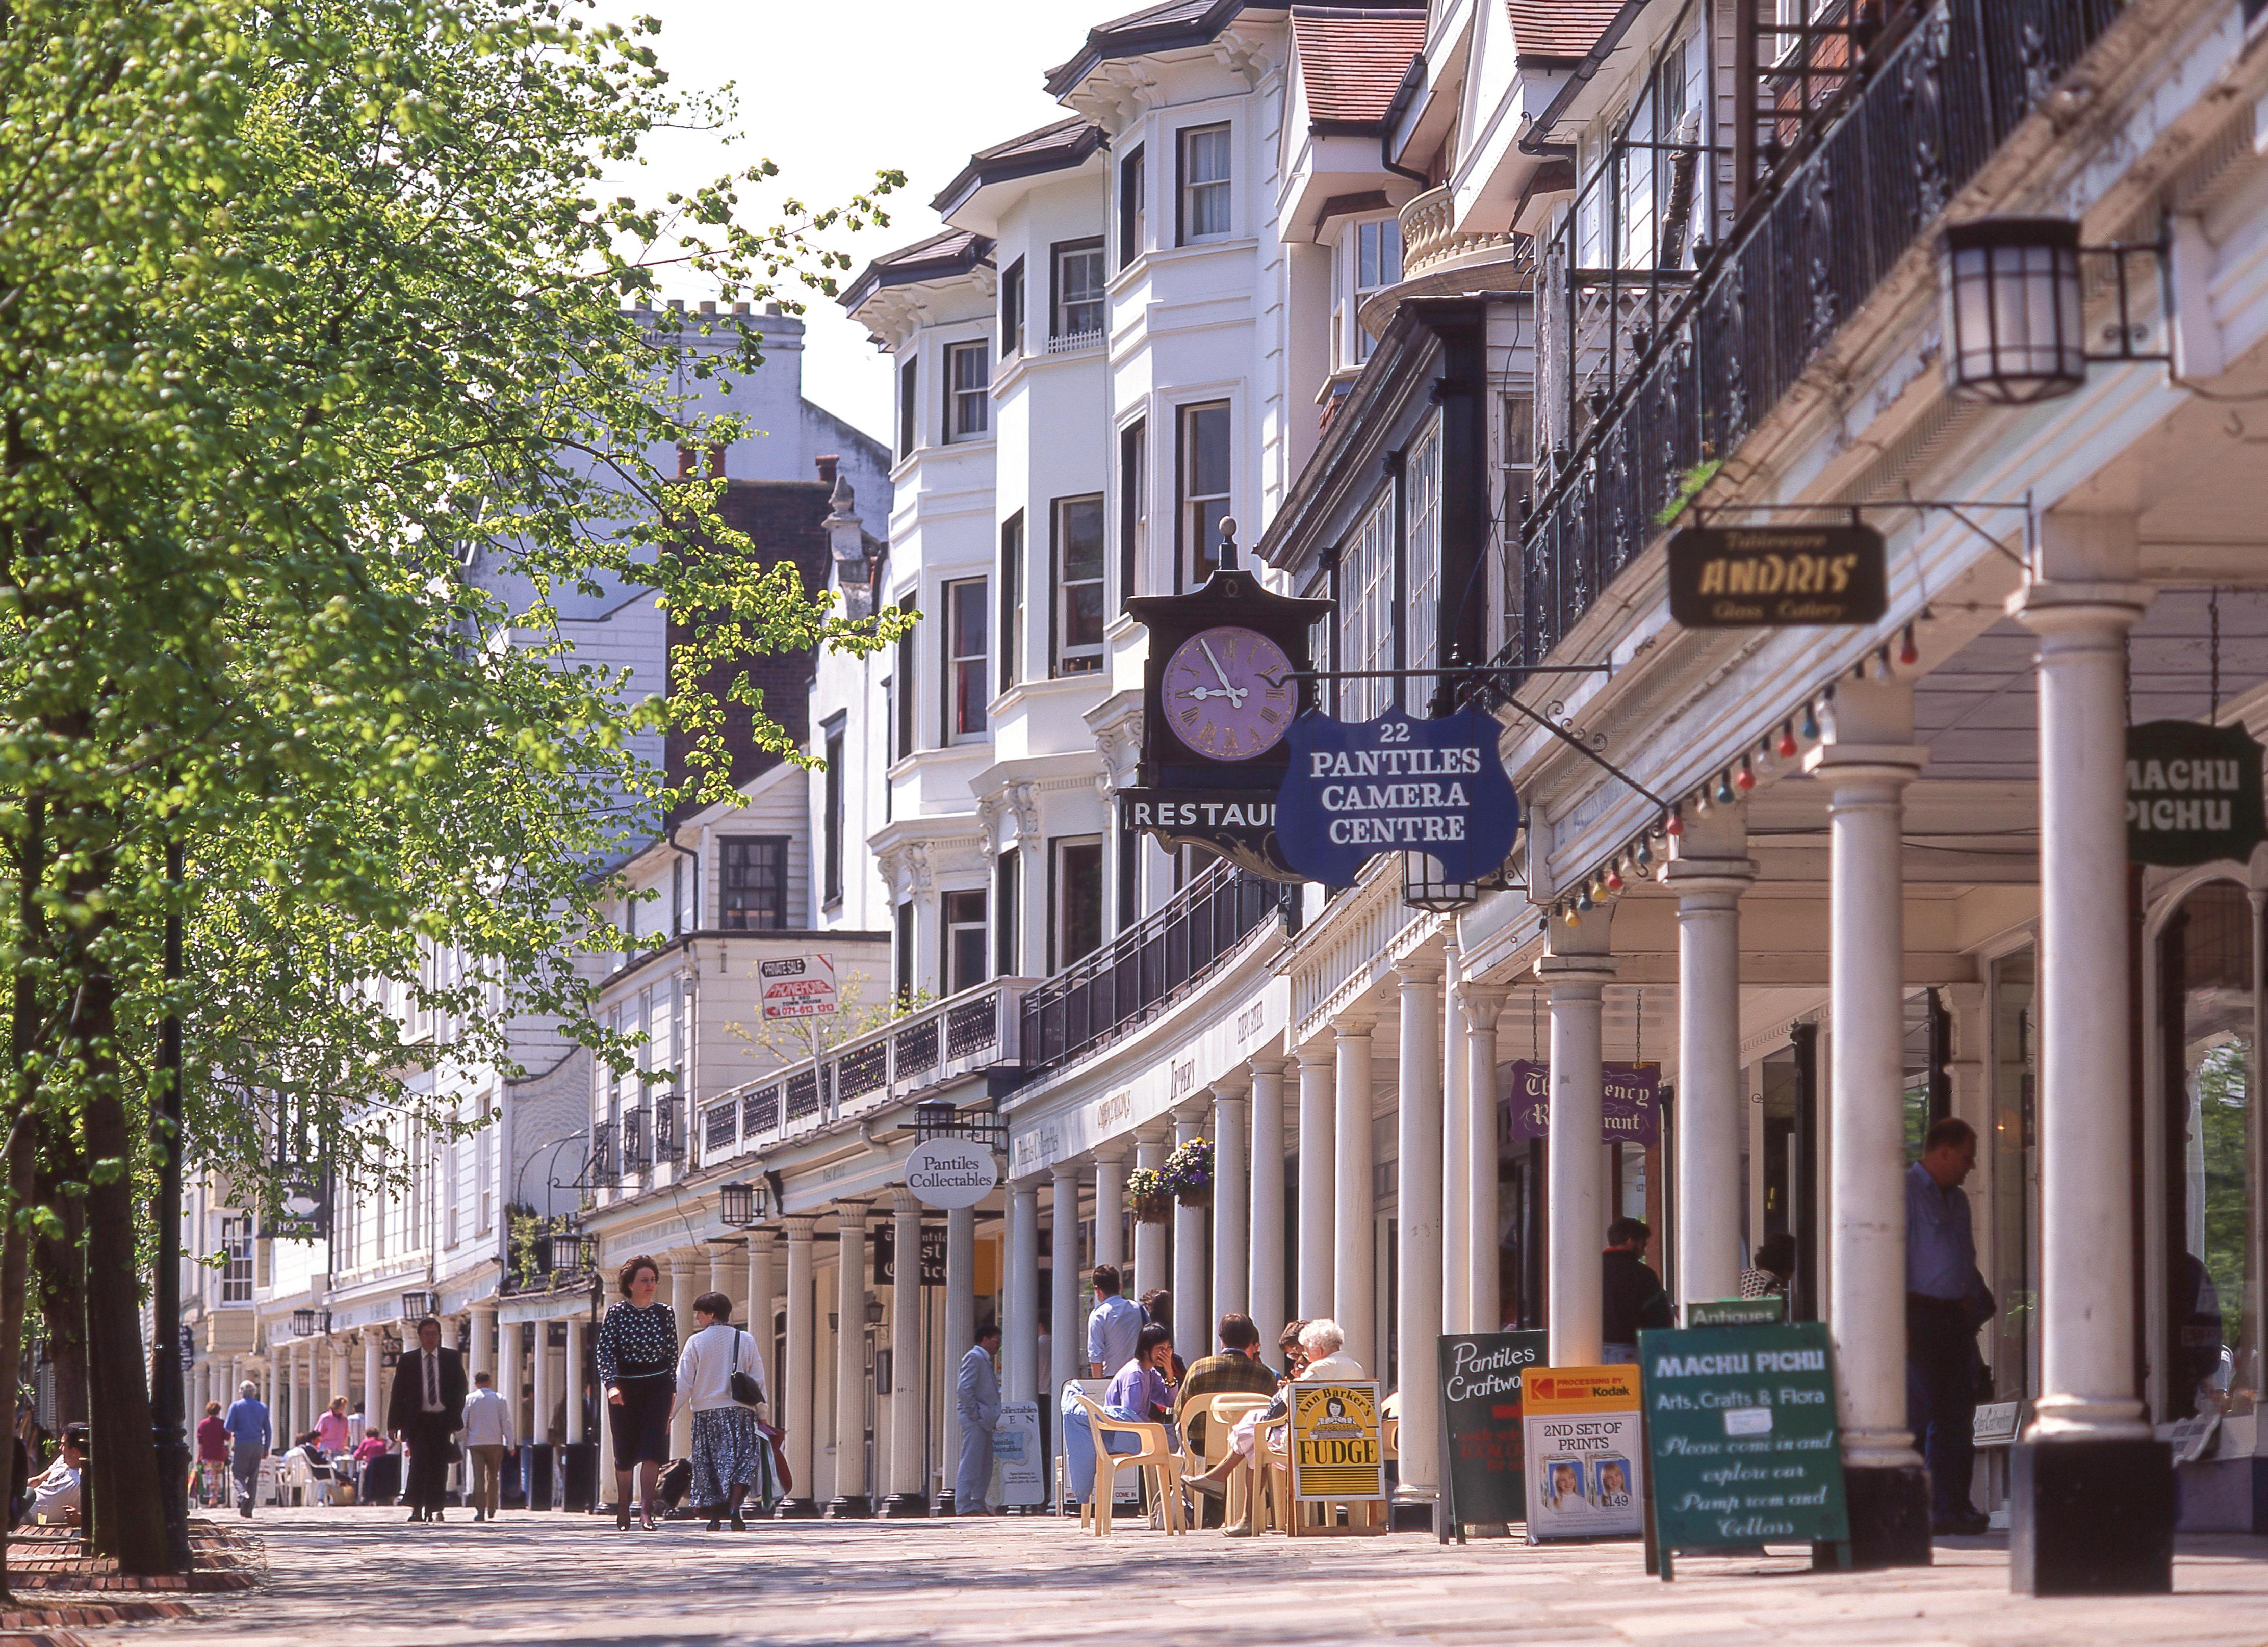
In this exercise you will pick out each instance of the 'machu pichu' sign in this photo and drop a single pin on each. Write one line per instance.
(2193, 793)
(1732, 578)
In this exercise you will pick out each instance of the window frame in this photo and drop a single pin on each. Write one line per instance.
(967, 407)
(1007, 937)
(956, 928)
(1133, 205)
(1059, 928)
(903, 960)
(726, 846)
(1192, 529)
(1359, 344)
(1058, 327)
(1133, 507)
(908, 404)
(834, 736)
(1063, 660)
(1011, 310)
(237, 1232)
(1185, 188)
(905, 680)
(958, 597)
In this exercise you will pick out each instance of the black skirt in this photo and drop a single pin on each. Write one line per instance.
(640, 1425)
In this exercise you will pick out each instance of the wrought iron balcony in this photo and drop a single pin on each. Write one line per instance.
(1145, 969)
(1649, 372)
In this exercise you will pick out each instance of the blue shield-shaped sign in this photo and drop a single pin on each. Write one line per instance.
(1396, 785)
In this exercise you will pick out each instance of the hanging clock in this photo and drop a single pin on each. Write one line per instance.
(1228, 692)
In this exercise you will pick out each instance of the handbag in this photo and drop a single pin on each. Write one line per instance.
(746, 1390)
(776, 1439)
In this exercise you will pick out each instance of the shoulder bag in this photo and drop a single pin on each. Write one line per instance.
(746, 1390)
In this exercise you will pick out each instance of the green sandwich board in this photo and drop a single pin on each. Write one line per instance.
(1742, 1445)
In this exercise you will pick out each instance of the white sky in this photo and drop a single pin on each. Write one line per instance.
(835, 92)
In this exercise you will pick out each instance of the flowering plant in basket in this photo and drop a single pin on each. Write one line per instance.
(1188, 1174)
(1148, 1196)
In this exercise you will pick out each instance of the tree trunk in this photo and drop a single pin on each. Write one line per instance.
(125, 1458)
(16, 1158)
(59, 1266)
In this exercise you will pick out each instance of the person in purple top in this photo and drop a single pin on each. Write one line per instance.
(1139, 1392)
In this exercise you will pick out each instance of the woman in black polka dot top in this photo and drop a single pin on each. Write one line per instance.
(637, 1353)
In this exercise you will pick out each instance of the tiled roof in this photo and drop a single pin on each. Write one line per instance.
(949, 252)
(1170, 25)
(1064, 143)
(1352, 61)
(1559, 30)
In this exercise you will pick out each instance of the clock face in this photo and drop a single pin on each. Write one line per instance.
(1228, 692)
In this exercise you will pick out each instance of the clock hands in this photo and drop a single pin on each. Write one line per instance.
(1233, 694)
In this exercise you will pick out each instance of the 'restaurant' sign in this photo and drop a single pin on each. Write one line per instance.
(2193, 793)
(1629, 1109)
(1396, 785)
(1736, 577)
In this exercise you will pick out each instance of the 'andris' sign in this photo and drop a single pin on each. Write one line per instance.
(2193, 793)
(1734, 577)
(1396, 785)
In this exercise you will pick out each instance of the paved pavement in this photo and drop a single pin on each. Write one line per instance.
(366, 1578)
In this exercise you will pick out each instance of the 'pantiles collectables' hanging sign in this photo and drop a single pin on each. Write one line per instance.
(2193, 793)
(1396, 785)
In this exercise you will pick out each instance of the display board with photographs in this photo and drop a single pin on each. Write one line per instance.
(1586, 1460)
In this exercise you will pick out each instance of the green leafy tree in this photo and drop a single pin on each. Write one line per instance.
(312, 325)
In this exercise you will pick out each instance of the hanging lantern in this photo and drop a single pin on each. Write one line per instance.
(1909, 653)
(567, 1251)
(1725, 789)
(2008, 291)
(1810, 721)
(1788, 745)
(736, 1205)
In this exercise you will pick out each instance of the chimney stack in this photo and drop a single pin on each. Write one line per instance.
(827, 464)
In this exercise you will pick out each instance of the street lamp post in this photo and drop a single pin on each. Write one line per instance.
(168, 1416)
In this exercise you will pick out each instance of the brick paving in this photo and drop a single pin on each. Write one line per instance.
(366, 1578)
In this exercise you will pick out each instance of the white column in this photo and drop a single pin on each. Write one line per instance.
(1150, 1238)
(959, 1323)
(723, 1266)
(907, 1360)
(1709, 869)
(1067, 1337)
(1111, 1206)
(276, 1416)
(802, 1370)
(1318, 1152)
(1192, 1262)
(763, 1293)
(373, 1387)
(1456, 1135)
(2086, 1227)
(1354, 1250)
(1265, 1299)
(1866, 769)
(538, 1394)
(1232, 1219)
(850, 1360)
(1417, 1252)
(1576, 969)
(574, 1383)
(682, 1290)
(1020, 1332)
(508, 1378)
(1484, 1307)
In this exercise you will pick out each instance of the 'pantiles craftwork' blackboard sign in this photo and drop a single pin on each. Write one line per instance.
(1480, 1416)
(1742, 1438)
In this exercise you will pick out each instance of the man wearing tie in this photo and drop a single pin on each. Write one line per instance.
(426, 1408)
(978, 1401)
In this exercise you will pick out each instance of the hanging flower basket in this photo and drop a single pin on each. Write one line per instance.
(1148, 1197)
(1188, 1174)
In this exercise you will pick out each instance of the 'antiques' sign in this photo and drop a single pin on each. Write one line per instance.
(1740, 1422)
(1631, 1112)
(1768, 1311)
(1737, 577)
(2193, 793)
(1585, 1461)
(1337, 1455)
(1480, 1415)
(1396, 785)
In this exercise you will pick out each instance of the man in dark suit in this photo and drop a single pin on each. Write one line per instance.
(426, 1408)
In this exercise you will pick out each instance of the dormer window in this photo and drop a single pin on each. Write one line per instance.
(1205, 199)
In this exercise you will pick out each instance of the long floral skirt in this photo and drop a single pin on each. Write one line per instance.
(729, 1452)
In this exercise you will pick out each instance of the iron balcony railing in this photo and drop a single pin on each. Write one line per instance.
(1654, 389)
(1145, 969)
(976, 1029)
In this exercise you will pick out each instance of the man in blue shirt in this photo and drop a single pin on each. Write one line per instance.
(250, 1435)
(1114, 1325)
(1946, 1301)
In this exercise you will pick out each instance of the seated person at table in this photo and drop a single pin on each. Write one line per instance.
(55, 1493)
(1136, 1395)
(1321, 1357)
(1237, 1368)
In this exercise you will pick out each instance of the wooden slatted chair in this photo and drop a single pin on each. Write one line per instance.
(1154, 1456)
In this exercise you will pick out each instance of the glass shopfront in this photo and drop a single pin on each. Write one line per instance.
(2012, 1340)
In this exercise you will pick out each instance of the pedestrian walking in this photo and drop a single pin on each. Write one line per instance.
(250, 1434)
(720, 1376)
(1112, 1325)
(1630, 1297)
(637, 1353)
(424, 1413)
(977, 1398)
(212, 1459)
(1946, 1301)
(489, 1440)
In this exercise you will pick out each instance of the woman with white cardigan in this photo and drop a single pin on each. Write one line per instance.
(729, 1452)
